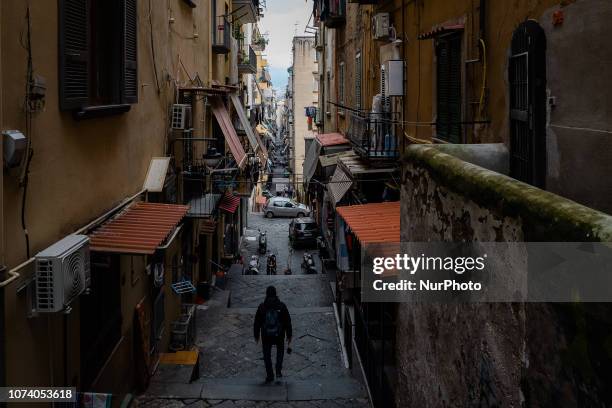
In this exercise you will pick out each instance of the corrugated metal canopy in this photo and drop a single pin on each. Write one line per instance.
(332, 159)
(225, 123)
(139, 229)
(311, 160)
(355, 165)
(204, 205)
(339, 185)
(440, 30)
(373, 223)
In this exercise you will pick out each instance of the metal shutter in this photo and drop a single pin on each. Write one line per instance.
(130, 52)
(448, 52)
(73, 54)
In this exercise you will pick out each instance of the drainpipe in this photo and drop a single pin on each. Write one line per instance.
(2, 254)
(482, 14)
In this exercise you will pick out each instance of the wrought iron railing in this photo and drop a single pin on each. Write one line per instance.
(373, 136)
(247, 63)
(222, 36)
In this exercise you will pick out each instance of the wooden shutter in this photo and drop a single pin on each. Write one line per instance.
(448, 53)
(74, 58)
(129, 91)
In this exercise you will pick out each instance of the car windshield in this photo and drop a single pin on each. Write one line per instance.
(307, 227)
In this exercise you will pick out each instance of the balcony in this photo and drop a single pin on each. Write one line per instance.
(245, 11)
(373, 136)
(247, 64)
(222, 36)
(259, 43)
(333, 13)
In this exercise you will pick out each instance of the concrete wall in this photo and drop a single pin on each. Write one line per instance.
(496, 354)
(80, 169)
(304, 67)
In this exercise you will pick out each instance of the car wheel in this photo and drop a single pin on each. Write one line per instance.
(300, 215)
(269, 214)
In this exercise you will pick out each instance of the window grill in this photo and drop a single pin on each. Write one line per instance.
(448, 89)
(358, 68)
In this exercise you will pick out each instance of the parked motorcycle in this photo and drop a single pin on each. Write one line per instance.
(271, 265)
(263, 242)
(308, 264)
(253, 268)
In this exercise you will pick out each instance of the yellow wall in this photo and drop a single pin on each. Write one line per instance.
(81, 169)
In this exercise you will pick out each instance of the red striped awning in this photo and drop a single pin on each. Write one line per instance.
(227, 127)
(139, 229)
(440, 30)
(229, 203)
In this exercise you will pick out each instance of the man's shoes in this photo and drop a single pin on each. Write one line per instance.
(269, 380)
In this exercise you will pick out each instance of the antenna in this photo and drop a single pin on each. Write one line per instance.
(296, 28)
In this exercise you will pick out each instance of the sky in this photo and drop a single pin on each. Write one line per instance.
(280, 18)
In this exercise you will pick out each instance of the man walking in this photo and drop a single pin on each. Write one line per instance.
(273, 325)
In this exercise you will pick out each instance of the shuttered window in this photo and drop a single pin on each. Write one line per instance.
(98, 62)
(358, 69)
(448, 88)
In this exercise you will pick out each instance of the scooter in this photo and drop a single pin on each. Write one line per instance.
(271, 265)
(263, 242)
(253, 268)
(308, 264)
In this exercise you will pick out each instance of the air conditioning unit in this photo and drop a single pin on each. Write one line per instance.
(62, 273)
(181, 116)
(380, 26)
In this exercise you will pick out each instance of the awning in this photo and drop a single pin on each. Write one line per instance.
(254, 140)
(229, 203)
(339, 185)
(373, 223)
(139, 229)
(208, 226)
(356, 166)
(232, 139)
(311, 160)
(440, 30)
(331, 139)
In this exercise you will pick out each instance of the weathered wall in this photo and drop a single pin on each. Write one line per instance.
(80, 169)
(304, 67)
(496, 354)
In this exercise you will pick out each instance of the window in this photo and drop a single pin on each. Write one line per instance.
(448, 88)
(341, 84)
(97, 53)
(358, 68)
(527, 80)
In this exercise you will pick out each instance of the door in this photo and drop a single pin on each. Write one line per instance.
(527, 79)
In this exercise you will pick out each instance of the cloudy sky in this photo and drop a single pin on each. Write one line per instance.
(279, 22)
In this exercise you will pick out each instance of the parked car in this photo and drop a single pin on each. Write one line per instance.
(285, 207)
(303, 231)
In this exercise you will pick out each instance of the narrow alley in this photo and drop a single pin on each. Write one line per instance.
(231, 364)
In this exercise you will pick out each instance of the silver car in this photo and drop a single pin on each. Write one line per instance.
(285, 207)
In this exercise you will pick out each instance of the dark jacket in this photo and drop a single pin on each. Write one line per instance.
(260, 316)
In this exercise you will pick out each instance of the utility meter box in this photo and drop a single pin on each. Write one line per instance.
(381, 26)
(14, 145)
(392, 78)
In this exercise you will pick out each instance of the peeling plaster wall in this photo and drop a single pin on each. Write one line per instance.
(496, 354)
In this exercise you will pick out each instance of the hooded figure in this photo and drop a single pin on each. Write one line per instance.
(272, 324)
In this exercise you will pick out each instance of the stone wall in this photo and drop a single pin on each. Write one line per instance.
(497, 354)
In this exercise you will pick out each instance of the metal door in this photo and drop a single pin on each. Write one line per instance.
(527, 79)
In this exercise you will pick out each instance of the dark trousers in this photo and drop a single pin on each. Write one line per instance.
(267, 354)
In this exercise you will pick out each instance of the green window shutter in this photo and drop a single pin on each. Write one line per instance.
(129, 91)
(74, 58)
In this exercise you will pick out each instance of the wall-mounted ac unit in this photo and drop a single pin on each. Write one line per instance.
(62, 273)
(380, 26)
(181, 117)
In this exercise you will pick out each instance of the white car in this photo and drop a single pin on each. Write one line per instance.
(285, 207)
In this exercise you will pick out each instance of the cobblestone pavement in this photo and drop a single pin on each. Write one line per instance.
(231, 364)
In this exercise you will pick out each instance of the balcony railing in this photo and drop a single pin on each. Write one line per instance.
(222, 36)
(333, 13)
(247, 64)
(373, 137)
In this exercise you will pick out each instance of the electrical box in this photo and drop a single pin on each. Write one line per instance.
(393, 83)
(381, 26)
(14, 145)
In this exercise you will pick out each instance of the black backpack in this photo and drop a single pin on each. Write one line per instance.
(272, 325)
